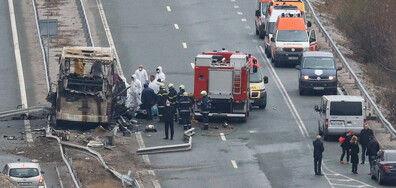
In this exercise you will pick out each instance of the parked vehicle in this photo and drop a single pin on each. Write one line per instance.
(318, 72)
(340, 113)
(384, 167)
(224, 76)
(270, 25)
(260, 14)
(26, 174)
(257, 80)
(290, 40)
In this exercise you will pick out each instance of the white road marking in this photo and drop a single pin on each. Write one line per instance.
(184, 45)
(18, 61)
(223, 137)
(243, 19)
(286, 96)
(234, 164)
(192, 65)
(109, 36)
(176, 26)
(232, 0)
(247, 27)
(240, 13)
(156, 184)
(236, 6)
(168, 8)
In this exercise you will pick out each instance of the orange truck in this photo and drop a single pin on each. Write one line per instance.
(290, 39)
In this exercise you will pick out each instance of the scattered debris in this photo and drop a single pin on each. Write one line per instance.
(11, 137)
(94, 144)
(150, 128)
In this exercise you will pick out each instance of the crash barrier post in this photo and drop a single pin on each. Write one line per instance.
(352, 74)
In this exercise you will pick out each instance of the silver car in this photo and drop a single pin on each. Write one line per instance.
(26, 174)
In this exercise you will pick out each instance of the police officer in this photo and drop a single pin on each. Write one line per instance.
(172, 97)
(178, 98)
(205, 108)
(185, 107)
(162, 96)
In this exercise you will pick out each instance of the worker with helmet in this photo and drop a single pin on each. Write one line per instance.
(162, 97)
(172, 97)
(205, 108)
(179, 96)
(185, 108)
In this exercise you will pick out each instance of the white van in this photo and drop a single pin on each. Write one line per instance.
(340, 113)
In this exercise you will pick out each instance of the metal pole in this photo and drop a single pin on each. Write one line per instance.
(48, 52)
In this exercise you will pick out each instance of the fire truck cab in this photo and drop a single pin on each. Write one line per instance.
(225, 77)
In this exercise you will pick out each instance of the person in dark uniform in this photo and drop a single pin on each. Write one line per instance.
(168, 115)
(372, 149)
(148, 100)
(317, 154)
(162, 96)
(185, 107)
(354, 154)
(364, 140)
(205, 109)
(179, 96)
(172, 97)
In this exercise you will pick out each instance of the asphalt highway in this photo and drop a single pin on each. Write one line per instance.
(274, 147)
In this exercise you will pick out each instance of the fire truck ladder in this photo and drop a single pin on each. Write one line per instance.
(237, 81)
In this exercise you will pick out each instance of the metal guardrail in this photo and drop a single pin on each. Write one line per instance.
(84, 22)
(47, 76)
(370, 102)
(37, 110)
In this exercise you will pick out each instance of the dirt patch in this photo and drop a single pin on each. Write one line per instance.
(90, 173)
(6, 182)
(50, 147)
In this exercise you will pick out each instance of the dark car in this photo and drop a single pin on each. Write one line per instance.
(318, 72)
(384, 167)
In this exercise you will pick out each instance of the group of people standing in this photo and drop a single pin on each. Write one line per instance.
(153, 97)
(350, 148)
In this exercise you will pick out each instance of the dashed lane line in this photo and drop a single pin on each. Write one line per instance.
(243, 19)
(234, 164)
(232, 0)
(223, 137)
(236, 6)
(168, 8)
(247, 27)
(184, 45)
(176, 26)
(240, 13)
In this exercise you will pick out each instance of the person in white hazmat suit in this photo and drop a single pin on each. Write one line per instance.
(159, 75)
(133, 95)
(141, 74)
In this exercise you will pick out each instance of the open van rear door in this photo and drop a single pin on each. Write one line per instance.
(313, 42)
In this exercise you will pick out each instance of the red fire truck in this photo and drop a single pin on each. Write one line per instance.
(224, 75)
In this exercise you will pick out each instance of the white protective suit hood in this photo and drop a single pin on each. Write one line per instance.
(159, 75)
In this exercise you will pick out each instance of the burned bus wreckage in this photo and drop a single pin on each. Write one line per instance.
(88, 86)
